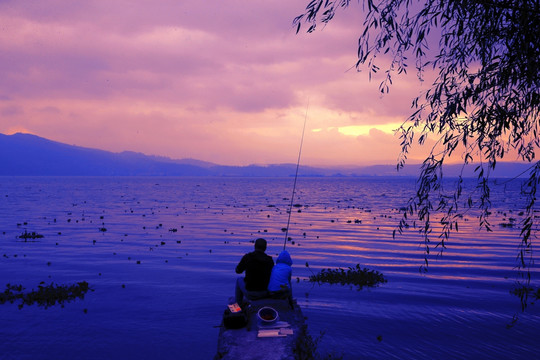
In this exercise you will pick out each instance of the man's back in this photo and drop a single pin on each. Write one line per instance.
(258, 267)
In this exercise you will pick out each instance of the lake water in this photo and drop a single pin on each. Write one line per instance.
(160, 253)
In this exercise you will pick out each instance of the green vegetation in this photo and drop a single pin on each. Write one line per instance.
(523, 291)
(527, 296)
(45, 295)
(352, 276)
(27, 235)
(307, 349)
(481, 106)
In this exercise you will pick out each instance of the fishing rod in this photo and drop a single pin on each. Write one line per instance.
(295, 178)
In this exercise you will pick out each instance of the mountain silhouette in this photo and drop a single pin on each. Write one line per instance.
(26, 154)
(31, 155)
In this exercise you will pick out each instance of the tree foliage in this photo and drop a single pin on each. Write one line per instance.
(483, 104)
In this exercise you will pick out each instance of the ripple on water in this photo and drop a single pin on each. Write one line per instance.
(157, 288)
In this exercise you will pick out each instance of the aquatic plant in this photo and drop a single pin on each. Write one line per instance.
(45, 295)
(353, 275)
(27, 235)
(307, 348)
(526, 292)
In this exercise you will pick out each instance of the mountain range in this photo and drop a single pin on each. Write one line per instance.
(31, 155)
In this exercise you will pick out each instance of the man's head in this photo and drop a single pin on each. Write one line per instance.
(260, 244)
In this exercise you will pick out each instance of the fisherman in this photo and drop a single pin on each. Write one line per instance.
(258, 267)
(280, 286)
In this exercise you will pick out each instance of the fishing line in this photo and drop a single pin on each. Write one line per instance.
(295, 178)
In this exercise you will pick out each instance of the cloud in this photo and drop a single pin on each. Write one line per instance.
(214, 80)
(11, 110)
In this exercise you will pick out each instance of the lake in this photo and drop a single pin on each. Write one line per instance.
(159, 255)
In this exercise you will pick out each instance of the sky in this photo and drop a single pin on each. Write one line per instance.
(228, 82)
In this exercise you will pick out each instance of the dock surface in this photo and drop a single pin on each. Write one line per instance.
(244, 343)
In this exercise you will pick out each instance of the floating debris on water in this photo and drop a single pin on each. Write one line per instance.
(33, 235)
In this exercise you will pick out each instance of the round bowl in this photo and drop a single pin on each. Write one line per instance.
(267, 315)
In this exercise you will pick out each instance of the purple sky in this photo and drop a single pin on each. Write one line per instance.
(221, 81)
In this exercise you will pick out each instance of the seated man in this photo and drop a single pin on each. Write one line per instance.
(258, 267)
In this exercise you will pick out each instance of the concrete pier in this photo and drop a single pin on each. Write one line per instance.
(245, 344)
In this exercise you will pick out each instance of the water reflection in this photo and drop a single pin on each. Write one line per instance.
(157, 286)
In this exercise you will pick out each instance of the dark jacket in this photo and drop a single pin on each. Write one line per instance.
(258, 267)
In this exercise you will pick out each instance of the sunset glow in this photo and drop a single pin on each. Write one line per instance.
(227, 83)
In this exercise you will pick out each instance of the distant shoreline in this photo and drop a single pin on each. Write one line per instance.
(31, 155)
